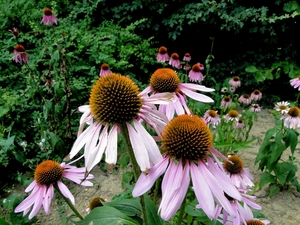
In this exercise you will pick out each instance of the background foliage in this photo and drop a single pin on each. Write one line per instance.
(255, 40)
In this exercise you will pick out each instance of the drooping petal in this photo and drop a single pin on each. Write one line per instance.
(48, 195)
(223, 180)
(215, 187)
(159, 98)
(198, 87)
(31, 186)
(66, 192)
(171, 206)
(96, 154)
(148, 141)
(82, 140)
(145, 182)
(111, 151)
(197, 96)
(202, 191)
(90, 146)
(139, 149)
(29, 201)
(38, 201)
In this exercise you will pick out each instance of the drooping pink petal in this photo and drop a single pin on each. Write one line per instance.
(31, 186)
(198, 87)
(197, 96)
(82, 140)
(96, 154)
(111, 152)
(48, 195)
(145, 182)
(148, 141)
(38, 201)
(29, 201)
(66, 192)
(139, 149)
(202, 191)
(171, 206)
(223, 180)
(215, 188)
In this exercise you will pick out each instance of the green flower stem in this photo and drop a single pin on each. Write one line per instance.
(69, 203)
(135, 167)
(181, 211)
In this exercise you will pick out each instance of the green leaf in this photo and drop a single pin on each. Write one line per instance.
(291, 139)
(55, 55)
(251, 69)
(266, 178)
(290, 6)
(130, 207)
(3, 222)
(127, 177)
(281, 171)
(273, 190)
(106, 215)
(151, 211)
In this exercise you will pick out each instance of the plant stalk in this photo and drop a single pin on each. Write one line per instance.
(69, 203)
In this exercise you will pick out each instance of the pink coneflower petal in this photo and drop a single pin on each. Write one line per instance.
(202, 191)
(48, 195)
(149, 143)
(112, 145)
(66, 192)
(223, 180)
(139, 149)
(148, 180)
(195, 95)
(82, 140)
(174, 189)
(29, 201)
(37, 201)
(96, 155)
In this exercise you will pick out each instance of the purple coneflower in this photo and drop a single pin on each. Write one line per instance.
(14, 31)
(255, 108)
(239, 124)
(47, 176)
(48, 17)
(295, 83)
(187, 57)
(167, 80)
(20, 54)
(239, 175)
(174, 61)
(223, 216)
(104, 70)
(195, 73)
(212, 117)
(226, 102)
(232, 115)
(187, 142)
(256, 95)
(232, 89)
(235, 82)
(283, 107)
(292, 118)
(245, 99)
(115, 103)
(162, 55)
